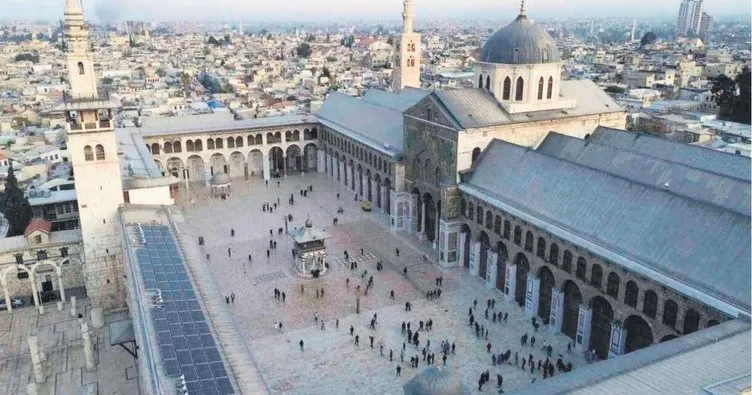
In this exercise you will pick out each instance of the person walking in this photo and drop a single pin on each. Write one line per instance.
(232, 297)
(399, 371)
(357, 340)
(301, 345)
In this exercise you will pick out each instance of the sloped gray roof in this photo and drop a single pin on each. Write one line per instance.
(729, 193)
(523, 37)
(401, 101)
(698, 249)
(707, 159)
(476, 108)
(436, 380)
(379, 127)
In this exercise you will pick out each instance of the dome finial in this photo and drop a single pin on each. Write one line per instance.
(522, 8)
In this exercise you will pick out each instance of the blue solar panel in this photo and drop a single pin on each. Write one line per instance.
(186, 344)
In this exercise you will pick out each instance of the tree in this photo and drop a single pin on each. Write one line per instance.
(161, 73)
(390, 40)
(14, 205)
(325, 73)
(227, 39)
(648, 38)
(303, 50)
(27, 57)
(213, 41)
(733, 97)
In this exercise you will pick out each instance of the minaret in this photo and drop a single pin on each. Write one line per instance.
(634, 27)
(93, 150)
(407, 60)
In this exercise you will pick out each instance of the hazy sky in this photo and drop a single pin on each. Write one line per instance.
(330, 10)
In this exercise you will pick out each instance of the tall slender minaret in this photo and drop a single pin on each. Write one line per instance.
(407, 60)
(93, 150)
(634, 28)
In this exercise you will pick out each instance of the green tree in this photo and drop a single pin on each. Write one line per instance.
(30, 57)
(14, 205)
(213, 41)
(303, 50)
(161, 73)
(390, 40)
(648, 39)
(733, 97)
(325, 73)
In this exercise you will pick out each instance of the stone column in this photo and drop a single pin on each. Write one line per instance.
(474, 252)
(339, 171)
(88, 349)
(462, 238)
(265, 166)
(60, 284)
(436, 222)
(383, 193)
(372, 185)
(284, 164)
(582, 341)
(36, 360)
(73, 306)
(347, 174)
(557, 310)
(320, 161)
(6, 293)
(618, 340)
(33, 279)
(491, 269)
(531, 295)
(510, 280)
(422, 219)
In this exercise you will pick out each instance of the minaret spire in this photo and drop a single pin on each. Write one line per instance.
(407, 17)
(522, 8)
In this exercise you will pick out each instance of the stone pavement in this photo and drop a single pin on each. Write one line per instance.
(60, 336)
(330, 362)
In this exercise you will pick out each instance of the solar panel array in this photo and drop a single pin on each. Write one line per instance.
(185, 342)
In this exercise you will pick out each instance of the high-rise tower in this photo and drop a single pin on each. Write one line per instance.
(96, 167)
(407, 61)
(690, 15)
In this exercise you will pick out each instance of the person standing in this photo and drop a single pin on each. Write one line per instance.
(399, 371)
(301, 345)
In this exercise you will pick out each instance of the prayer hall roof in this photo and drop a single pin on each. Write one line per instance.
(436, 380)
(520, 42)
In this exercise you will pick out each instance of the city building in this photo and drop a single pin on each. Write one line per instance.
(690, 18)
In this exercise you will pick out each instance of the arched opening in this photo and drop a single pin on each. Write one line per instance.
(80, 68)
(177, 147)
(529, 241)
(465, 230)
(256, 163)
(259, 139)
(369, 181)
(360, 180)
(507, 229)
(670, 310)
(377, 180)
(310, 158)
(650, 304)
(667, 338)
(167, 148)
(219, 143)
(476, 152)
(189, 146)
(175, 167)
(480, 81)
(210, 144)
(230, 142)
(197, 145)
(238, 142)
(600, 333)
(88, 153)
(691, 321)
(99, 151)
(276, 161)
(550, 87)
(517, 235)
(541, 248)
(572, 301)
(519, 89)
(596, 276)
(430, 217)
(639, 334)
(581, 269)
(485, 244)
(497, 225)
(523, 268)
(488, 82)
(612, 288)
(547, 282)
(566, 263)
(479, 216)
(237, 165)
(489, 220)
(155, 149)
(388, 195)
(540, 88)
(195, 168)
(503, 257)
(507, 88)
(553, 254)
(218, 164)
(630, 293)
(294, 159)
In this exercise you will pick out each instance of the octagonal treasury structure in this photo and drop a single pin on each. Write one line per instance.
(309, 250)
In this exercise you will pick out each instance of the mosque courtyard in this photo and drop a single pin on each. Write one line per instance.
(330, 362)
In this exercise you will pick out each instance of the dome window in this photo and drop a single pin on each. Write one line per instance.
(544, 56)
(507, 88)
(516, 55)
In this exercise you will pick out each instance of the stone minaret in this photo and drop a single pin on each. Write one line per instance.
(407, 60)
(93, 150)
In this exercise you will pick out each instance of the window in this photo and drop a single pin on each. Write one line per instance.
(581, 268)
(553, 255)
(155, 149)
(19, 259)
(210, 144)
(670, 309)
(650, 305)
(100, 151)
(41, 254)
(541, 249)
(488, 82)
(507, 228)
(80, 68)
(497, 225)
(612, 287)
(64, 252)
(67, 208)
(88, 154)
(189, 146)
(596, 276)
(480, 81)
(463, 207)
(168, 148)
(529, 241)
(540, 88)
(219, 143)
(507, 88)
(519, 89)
(544, 56)
(550, 87)
(37, 239)
(516, 55)
(517, 235)
(470, 211)
(630, 294)
(566, 264)
(177, 147)
(489, 220)
(479, 216)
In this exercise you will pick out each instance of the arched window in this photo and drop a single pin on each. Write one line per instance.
(691, 321)
(463, 207)
(230, 142)
(550, 87)
(630, 293)
(553, 255)
(596, 276)
(566, 263)
(529, 241)
(177, 147)
(612, 287)
(516, 55)
(488, 82)
(480, 81)
(497, 225)
(479, 216)
(251, 141)
(650, 305)
(99, 151)
(581, 268)
(670, 309)
(507, 88)
(168, 148)
(88, 154)
(219, 143)
(476, 152)
(517, 235)
(540, 88)
(489, 220)
(544, 56)
(155, 149)
(198, 146)
(507, 229)
(210, 144)
(189, 146)
(519, 89)
(80, 68)
(470, 211)
(541, 249)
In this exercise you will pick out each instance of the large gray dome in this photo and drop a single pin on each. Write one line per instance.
(436, 380)
(520, 42)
